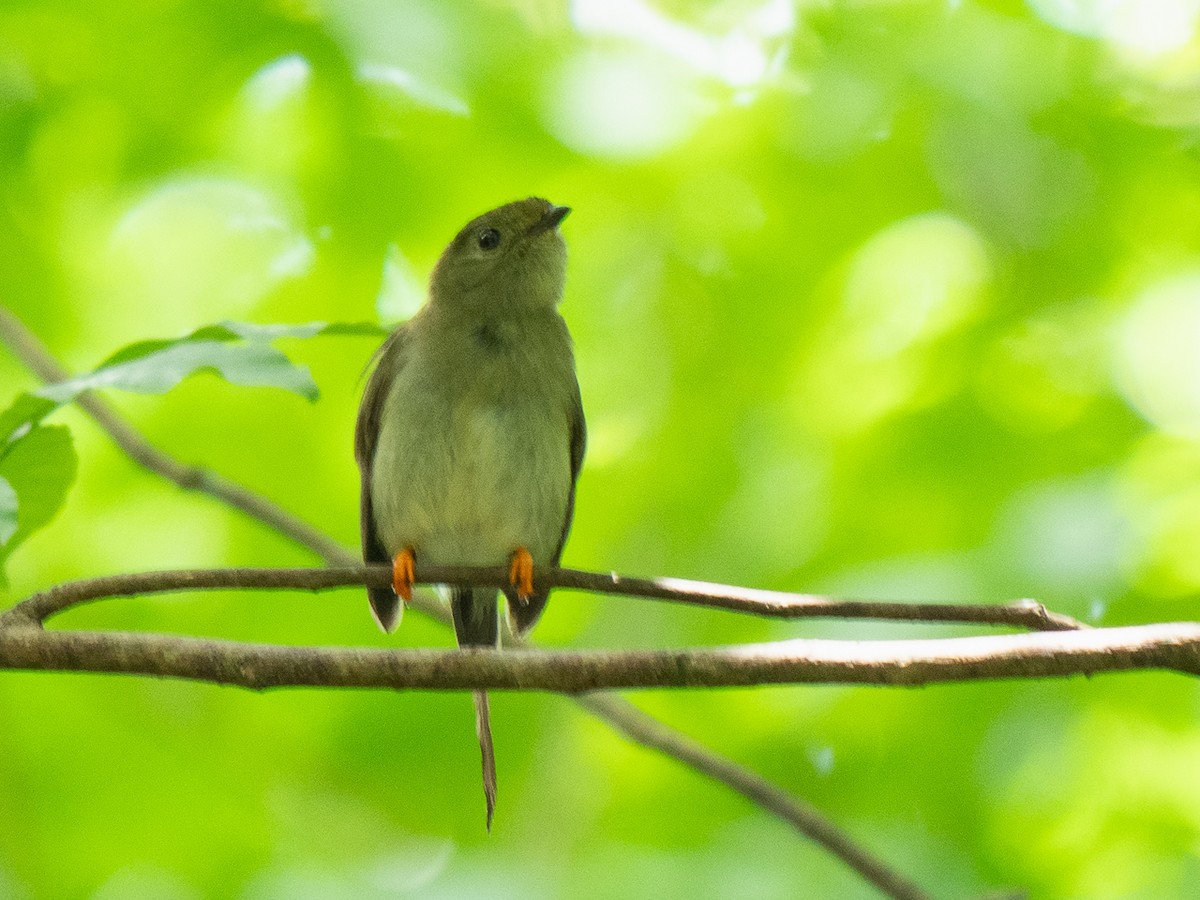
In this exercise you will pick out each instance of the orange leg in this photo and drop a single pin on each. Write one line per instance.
(520, 573)
(402, 574)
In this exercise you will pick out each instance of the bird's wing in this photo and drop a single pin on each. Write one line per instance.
(389, 358)
(525, 614)
(578, 447)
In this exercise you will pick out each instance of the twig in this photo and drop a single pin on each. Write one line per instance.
(1022, 613)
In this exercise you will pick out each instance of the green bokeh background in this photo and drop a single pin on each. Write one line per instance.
(885, 299)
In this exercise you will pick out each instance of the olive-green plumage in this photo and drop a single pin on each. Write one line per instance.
(471, 432)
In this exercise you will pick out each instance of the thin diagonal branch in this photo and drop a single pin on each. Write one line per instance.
(805, 818)
(773, 604)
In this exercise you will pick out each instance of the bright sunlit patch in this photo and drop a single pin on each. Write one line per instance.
(740, 61)
(821, 757)
(1157, 354)
(908, 287)
(205, 246)
(414, 864)
(744, 55)
(1143, 27)
(419, 35)
(272, 126)
(636, 102)
(1161, 490)
(401, 291)
(405, 83)
(622, 106)
(1067, 538)
(277, 82)
(917, 279)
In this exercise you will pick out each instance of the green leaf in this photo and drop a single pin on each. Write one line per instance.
(250, 331)
(239, 352)
(37, 463)
(8, 511)
(251, 364)
(38, 470)
(25, 412)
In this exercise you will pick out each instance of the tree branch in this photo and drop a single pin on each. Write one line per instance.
(1049, 653)
(1174, 646)
(774, 604)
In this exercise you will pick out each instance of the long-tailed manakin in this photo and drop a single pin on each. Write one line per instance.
(471, 432)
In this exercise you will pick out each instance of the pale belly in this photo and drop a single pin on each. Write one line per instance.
(466, 483)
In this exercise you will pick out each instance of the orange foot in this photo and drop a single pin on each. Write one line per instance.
(520, 573)
(402, 574)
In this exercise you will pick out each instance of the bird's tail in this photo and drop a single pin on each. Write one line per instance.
(385, 607)
(476, 624)
(483, 728)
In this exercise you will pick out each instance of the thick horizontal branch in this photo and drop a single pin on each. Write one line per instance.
(1023, 613)
(1174, 646)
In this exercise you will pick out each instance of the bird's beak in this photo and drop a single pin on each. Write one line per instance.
(550, 220)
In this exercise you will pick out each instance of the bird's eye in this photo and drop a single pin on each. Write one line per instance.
(489, 239)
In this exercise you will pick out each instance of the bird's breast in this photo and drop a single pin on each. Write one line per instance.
(472, 461)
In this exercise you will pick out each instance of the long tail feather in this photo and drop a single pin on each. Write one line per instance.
(476, 624)
(483, 728)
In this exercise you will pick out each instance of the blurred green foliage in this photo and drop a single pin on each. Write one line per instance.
(888, 299)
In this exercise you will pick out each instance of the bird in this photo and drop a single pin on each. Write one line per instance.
(471, 434)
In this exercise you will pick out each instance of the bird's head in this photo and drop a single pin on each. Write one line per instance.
(512, 255)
